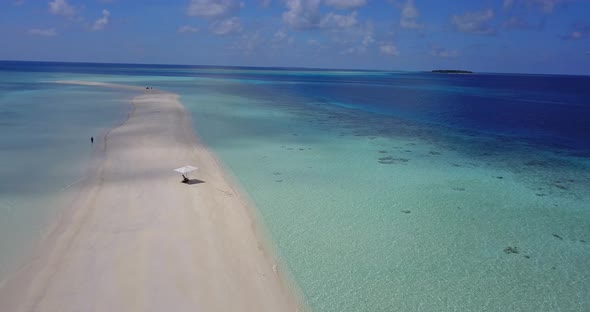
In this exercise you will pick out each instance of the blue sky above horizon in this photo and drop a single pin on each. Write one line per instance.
(524, 36)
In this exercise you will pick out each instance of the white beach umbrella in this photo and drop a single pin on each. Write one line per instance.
(185, 169)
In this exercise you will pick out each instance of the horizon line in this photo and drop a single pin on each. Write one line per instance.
(291, 67)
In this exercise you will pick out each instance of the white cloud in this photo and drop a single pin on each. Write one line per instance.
(346, 32)
(42, 32)
(346, 4)
(332, 20)
(302, 14)
(353, 39)
(280, 35)
(368, 39)
(444, 53)
(187, 29)
(61, 7)
(409, 15)
(213, 8)
(102, 22)
(577, 34)
(389, 49)
(249, 43)
(474, 22)
(579, 31)
(366, 33)
(313, 42)
(306, 14)
(227, 26)
(547, 6)
(350, 50)
(260, 42)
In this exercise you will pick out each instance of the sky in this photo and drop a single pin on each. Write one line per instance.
(509, 36)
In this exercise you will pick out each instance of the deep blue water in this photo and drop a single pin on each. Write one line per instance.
(545, 109)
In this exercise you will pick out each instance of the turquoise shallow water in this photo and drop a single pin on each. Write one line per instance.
(375, 213)
(45, 148)
(436, 196)
(373, 222)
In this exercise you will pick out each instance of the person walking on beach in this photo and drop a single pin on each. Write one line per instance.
(92, 140)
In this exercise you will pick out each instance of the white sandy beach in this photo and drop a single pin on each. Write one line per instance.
(136, 239)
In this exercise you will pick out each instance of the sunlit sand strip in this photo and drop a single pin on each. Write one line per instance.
(136, 239)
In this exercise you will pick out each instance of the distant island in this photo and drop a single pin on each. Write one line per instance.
(452, 71)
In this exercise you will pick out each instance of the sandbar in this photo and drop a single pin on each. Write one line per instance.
(134, 238)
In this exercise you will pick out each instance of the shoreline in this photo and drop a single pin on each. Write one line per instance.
(63, 200)
(135, 238)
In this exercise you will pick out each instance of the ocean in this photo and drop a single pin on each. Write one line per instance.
(382, 191)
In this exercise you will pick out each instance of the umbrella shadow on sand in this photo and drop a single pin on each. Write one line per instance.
(192, 181)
